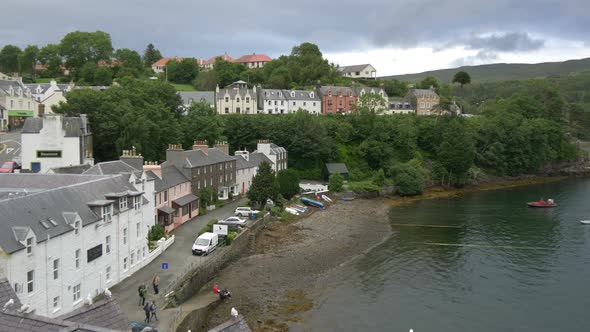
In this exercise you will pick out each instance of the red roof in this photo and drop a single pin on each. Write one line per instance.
(254, 58)
(224, 57)
(162, 62)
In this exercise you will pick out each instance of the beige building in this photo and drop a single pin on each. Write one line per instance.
(236, 99)
(359, 71)
(422, 100)
(16, 104)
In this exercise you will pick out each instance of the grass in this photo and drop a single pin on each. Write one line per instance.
(183, 87)
(44, 80)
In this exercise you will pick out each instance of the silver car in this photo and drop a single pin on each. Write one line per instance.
(233, 221)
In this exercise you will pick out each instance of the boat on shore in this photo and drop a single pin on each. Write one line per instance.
(542, 204)
(312, 202)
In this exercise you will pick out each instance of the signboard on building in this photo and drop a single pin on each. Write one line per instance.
(20, 113)
(220, 229)
(48, 153)
(94, 253)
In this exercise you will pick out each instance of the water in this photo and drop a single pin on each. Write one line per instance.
(523, 269)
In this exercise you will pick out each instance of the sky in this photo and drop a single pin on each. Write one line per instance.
(395, 36)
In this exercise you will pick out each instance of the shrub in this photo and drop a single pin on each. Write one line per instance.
(379, 178)
(409, 182)
(208, 227)
(202, 211)
(363, 187)
(231, 236)
(288, 181)
(156, 232)
(335, 183)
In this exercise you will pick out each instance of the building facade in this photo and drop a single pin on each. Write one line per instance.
(275, 101)
(337, 99)
(55, 141)
(365, 71)
(77, 235)
(247, 167)
(48, 95)
(16, 104)
(252, 61)
(236, 99)
(276, 154)
(423, 100)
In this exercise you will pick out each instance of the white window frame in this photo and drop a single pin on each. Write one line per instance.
(29, 245)
(125, 264)
(56, 303)
(108, 273)
(77, 255)
(107, 213)
(31, 281)
(138, 229)
(132, 259)
(125, 235)
(137, 202)
(76, 291)
(56, 269)
(123, 203)
(107, 245)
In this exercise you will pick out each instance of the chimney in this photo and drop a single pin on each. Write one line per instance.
(154, 167)
(217, 88)
(174, 153)
(243, 153)
(201, 145)
(222, 146)
(132, 158)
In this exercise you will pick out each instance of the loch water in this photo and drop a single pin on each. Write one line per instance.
(494, 265)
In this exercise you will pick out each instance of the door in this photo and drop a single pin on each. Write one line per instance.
(36, 167)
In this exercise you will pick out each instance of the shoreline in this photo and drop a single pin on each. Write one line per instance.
(288, 257)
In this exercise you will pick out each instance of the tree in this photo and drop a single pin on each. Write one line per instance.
(151, 55)
(409, 181)
(429, 82)
(78, 47)
(227, 72)
(335, 183)
(206, 81)
(288, 181)
(86, 74)
(9, 59)
(129, 62)
(462, 77)
(264, 185)
(49, 56)
(379, 178)
(103, 76)
(371, 103)
(183, 72)
(456, 151)
(202, 124)
(28, 59)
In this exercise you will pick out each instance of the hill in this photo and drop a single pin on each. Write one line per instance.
(502, 71)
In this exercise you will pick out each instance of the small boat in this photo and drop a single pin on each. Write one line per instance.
(585, 222)
(312, 202)
(542, 204)
(292, 211)
(326, 198)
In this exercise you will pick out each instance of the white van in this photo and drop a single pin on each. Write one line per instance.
(205, 243)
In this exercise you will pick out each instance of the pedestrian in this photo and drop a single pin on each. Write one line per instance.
(153, 310)
(156, 283)
(146, 309)
(142, 293)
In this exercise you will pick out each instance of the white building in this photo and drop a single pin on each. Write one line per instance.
(16, 104)
(276, 154)
(48, 94)
(236, 99)
(247, 167)
(67, 237)
(359, 71)
(275, 101)
(56, 141)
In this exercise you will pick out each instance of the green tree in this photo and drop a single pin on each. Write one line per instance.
(429, 82)
(207, 196)
(103, 76)
(206, 81)
(288, 182)
(202, 124)
(28, 59)
(409, 181)
(371, 103)
(379, 178)
(9, 56)
(49, 56)
(86, 73)
(335, 183)
(151, 55)
(227, 72)
(78, 48)
(456, 151)
(183, 72)
(156, 232)
(462, 77)
(264, 185)
(129, 63)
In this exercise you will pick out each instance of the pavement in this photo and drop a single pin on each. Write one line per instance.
(9, 146)
(178, 256)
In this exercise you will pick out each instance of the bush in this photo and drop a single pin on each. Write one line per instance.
(288, 181)
(335, 183)
(208, 227)
(231, 236)
(379, 178)
(156, 232)
(409, 182)
(202, 211)
(363, 187)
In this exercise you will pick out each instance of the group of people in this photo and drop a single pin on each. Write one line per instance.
(149, 307)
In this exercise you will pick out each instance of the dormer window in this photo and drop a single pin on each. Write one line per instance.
(137, 202)
(29, 245)
(122, 203)
(77, 227)
(238, 99)
(292, 94)
(107, 213)
(311, 95)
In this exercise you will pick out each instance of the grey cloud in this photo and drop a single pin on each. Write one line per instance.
(480, 58)
(204, 29)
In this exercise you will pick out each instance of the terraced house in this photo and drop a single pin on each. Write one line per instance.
(337, 99)
(236, 99)
(275, 101)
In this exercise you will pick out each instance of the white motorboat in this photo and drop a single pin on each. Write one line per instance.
(585, 222)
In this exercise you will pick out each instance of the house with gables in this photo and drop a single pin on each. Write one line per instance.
(359, 71)
(236, 99)
(337, 99)
(422, 100)
(253, 60)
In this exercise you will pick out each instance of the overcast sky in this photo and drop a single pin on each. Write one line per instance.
(395, 36)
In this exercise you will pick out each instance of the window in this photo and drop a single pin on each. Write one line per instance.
(56, 302)
(143, 252)
(77, 258)
(77, 227)
(314, 103)
(276, 103)
(29, 246)
(132, 258)
(30, 281)
(270, 102)
(138, 255)
(282, 102)
(138, 228)
(238, 99)
(107, 213)
(226, 110)
(247, 99)
(422, 105)
(108, 273)
(124, 235)
(76, 292)
(137, 202)
(293, 103)
(329, 102)
(304, 104)
(247, 109)
(174, 191)
(237, 110)
(108, 244)
(123, 203)
(55, 269)
(125, 264)
(226, 99)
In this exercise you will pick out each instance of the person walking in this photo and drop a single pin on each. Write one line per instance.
(147, 310)
(156, 284)
(153, 309)
(142, 293)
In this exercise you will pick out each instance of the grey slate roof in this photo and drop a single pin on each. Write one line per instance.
(73, 126)
(368, 89)
(236, 92)
(188, 97)
(28, 210)
(255, 158)
(423, 93)
(301, 95)
(336, 168)
(74, 169)
(7, 293)
(184, 200)
(336, 90)
(167, 210)
(112, 168)
(274, 94)
(350, 69)
(197, 158)
(105, 313)
(171, 176)
(233, 325)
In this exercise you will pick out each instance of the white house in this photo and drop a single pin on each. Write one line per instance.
(67, 237)
(55, 141)
(359, 71)
(273, 101)
(276, 154)
(16, 104)
(308, 101)
(236, 99)
(49, 94)
(247, 167)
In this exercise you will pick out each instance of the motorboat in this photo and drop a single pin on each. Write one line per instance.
(585, 222)
(542, 203)
(312, 202)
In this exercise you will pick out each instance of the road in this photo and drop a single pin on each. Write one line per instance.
(178, 255)
(9, 146)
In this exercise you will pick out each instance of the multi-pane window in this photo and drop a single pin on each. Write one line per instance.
(137, 202)
(125, 264)
(132, 258)
(124, 235)
(138, 229)
(165, 196)
(77, 258)
(123, 203)
(56, 268)
(107, 213)
(30, 281)
(108, 244)
(108, 273)
(29, 245)
(76, 292)
(56, 302)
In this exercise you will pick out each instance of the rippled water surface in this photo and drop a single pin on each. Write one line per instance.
(498, 266)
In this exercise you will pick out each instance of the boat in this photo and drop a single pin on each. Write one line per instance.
(312, 202)
(542, 204)
(326, 198)
(585, 222)
(292, 211)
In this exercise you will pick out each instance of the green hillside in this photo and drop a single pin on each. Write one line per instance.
(502, 71)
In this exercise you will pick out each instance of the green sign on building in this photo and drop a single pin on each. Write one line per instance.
(20, 113)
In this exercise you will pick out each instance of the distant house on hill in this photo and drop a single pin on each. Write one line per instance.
(254, 60)
(359, 71)
(422, 100)
(333, 168)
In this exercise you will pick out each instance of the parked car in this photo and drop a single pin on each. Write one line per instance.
(233, 221)
(244, 211)
(205, 243)
(9, 167)
(141, 327)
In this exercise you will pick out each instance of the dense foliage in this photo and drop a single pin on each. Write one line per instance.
(288, 181)
(264, 185)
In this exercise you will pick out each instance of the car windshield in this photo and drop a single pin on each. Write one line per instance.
(202, 242)
(7, 165)
(231, 219)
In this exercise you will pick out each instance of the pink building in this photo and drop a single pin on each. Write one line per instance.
(174, 202)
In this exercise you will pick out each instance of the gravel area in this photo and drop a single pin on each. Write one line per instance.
(273, 286)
